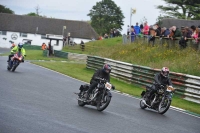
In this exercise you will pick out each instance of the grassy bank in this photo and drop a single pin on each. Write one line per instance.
(79, 71)
(183, 61)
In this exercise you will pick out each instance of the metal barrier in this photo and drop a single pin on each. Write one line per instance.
(187, 86)
(32, 47)
(61, 54)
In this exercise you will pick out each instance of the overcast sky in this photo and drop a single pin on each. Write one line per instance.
(78, 9)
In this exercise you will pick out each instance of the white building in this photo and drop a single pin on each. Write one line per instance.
(38, 30)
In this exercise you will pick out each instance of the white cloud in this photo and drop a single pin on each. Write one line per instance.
(78, 9)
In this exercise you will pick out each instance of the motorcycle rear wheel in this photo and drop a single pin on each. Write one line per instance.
(81, 103)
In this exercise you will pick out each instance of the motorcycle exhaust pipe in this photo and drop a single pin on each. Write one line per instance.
(146, 103)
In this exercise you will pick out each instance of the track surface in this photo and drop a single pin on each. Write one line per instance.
(37, 100)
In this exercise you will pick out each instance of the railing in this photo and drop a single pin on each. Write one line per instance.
(187, 86)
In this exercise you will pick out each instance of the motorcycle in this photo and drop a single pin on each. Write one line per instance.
(100, 96)
(15, 61)
(159, 101)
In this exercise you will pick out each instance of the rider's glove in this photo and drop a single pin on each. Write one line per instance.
(113, 87)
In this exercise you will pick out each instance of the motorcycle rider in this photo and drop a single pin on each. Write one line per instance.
(103, 73)
(161, 78)
(16, 49)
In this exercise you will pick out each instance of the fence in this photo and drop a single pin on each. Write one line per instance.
(158, 40)
(187, 86)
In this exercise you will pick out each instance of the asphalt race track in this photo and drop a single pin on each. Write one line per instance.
(36, 100)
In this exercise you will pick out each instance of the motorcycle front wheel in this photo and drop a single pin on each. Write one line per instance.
(104, 102)
(164, 105)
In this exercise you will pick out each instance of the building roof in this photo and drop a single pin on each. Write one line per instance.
(179, 23)
(29, 24)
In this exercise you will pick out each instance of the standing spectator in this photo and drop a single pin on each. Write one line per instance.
(68, 38)
(158, 30)
(82, 42)
(132, 34)
(141, 28)
(146, 29)
(106, 36)
(195, 34)
(152, 34)
(114, 32)
(111, 33)
(165, 32)
(137, 29)
(176, 32)
(50, 48)
(183, 41)
(44, 46)
(128, 30)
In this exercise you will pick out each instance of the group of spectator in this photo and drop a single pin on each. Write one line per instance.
(173, 33)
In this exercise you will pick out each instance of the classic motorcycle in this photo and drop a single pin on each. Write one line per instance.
(15, 61)
(100, 96)
(159, 101)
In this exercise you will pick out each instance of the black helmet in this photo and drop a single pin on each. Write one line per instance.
(20, 45)
(107, 68)
(165, 72)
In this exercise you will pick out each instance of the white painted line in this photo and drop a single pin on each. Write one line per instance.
(120, 93)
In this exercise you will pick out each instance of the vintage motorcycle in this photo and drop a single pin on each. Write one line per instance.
(160, 100)
(15, 61)
(100, 96)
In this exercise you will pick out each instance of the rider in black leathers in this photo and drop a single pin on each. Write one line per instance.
(161, 78)
(103, 73)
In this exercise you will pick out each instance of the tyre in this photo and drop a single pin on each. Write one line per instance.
(103, 103)
(80, 102)
(164, 105)
(13, 69)
(8, 68)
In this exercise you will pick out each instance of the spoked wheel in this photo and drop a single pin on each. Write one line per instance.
(80, 102)
(164, 105)
(103, 103)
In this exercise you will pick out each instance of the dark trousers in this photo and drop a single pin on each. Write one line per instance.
(9, 56)
(152, 90)
(92, 86)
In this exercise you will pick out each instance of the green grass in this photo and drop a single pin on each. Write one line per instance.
(37, 55)
(183, 61)
(79, 71)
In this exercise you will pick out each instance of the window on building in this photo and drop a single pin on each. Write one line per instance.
(23, 34)
(43, 36)
(3, 32)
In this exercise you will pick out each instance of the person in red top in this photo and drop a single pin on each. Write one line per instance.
(146, 29)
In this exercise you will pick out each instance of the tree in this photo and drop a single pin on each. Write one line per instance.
(36, 13)
(31, 14)
(3, 9)
(106, 15)
(182, 9)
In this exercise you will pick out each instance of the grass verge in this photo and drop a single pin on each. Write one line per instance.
(79, 71)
